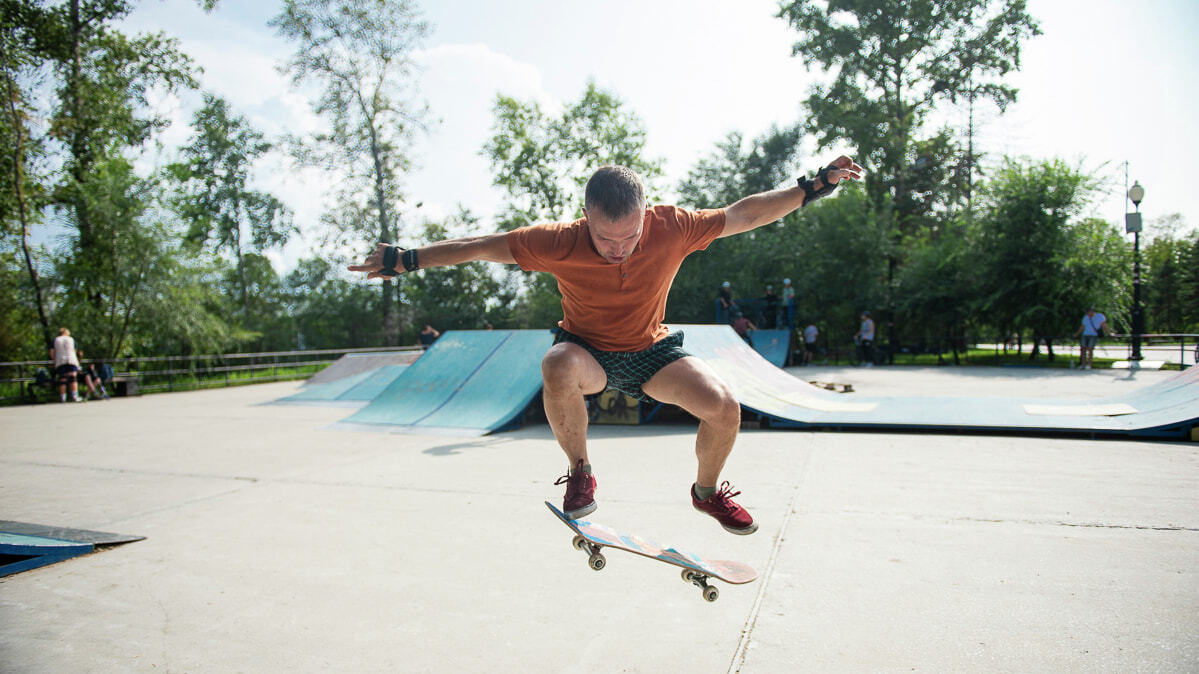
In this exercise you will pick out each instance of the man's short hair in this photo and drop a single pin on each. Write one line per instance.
(615, 192)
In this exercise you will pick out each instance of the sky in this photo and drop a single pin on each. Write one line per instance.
(1108, 82)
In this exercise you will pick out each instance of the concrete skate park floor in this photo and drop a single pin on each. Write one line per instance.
(274, 545)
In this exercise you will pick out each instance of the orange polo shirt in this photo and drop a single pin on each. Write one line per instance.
(616, 307)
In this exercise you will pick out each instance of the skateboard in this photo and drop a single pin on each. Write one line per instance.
(592, 538)
(829, 386)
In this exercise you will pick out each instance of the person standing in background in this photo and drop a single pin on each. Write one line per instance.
(1091, 328)
(66, 365)
(789, 304)
(865, 340)
(809, 343)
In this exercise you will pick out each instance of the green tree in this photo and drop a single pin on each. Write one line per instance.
(330, 312)
(19, 333)
(839, 274)
(734, 171)
(361, 54)
(543, 161)
(937, 293)
(451, 298)
(25, 30)
(73, 153)
(214, 199)
(1189, 285)
(182, 311)
(138, 267)
(105, 78)
(749, 261)
(891, 65)
(1164, 273)
(100, 118)
(1038, 264)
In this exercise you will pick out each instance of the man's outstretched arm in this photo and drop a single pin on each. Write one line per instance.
(766, 207)
(485, 248)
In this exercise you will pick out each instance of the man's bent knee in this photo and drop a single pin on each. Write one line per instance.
(569, 365)
(726, 411)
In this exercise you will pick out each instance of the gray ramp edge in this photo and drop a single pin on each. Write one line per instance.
(357, 363)
(67, 534)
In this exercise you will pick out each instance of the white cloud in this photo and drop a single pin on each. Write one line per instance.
(460, 82)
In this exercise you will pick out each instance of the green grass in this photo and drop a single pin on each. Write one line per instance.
(150, 382)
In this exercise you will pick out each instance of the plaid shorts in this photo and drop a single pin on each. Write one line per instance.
(628, 371)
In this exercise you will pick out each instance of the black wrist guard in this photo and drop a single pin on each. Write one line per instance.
(409, 260)
(810, 193)
(394, 254)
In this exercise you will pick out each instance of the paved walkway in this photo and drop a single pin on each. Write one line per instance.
(274, 545)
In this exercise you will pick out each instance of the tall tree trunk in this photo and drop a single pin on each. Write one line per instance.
(81, 155)
(79, 147)
(18, 153)
(391, 315)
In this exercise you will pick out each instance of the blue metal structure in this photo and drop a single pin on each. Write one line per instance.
(773, 345)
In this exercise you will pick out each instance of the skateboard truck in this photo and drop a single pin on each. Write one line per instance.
(710, 592)
(597, 561)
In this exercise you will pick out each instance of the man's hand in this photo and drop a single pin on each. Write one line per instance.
(843, 168)
(373, 264)
(827, 179)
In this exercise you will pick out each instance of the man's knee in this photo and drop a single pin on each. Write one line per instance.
(718, 405)
(568, 365)
(726, 411)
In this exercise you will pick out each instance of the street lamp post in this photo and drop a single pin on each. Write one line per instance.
(1132, 223)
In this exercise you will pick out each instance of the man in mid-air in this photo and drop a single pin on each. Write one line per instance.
(614, 268)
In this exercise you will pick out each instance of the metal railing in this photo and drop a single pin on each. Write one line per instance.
(170, 373)
(1164, 349)
(1180, 349)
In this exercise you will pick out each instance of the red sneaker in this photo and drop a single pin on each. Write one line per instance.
(580, 493)
(731, 516)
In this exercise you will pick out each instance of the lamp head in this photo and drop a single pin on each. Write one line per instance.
(1136, 193)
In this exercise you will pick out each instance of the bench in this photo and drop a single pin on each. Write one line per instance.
(122, 386)
(119, 385)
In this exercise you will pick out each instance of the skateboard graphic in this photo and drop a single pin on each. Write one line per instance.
(592, 538)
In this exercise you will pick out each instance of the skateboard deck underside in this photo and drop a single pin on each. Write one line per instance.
(733, 572)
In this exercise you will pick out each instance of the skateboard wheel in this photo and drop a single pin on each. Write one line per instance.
(711, 593)
(688, 576)
(597, 561)
(579, 542)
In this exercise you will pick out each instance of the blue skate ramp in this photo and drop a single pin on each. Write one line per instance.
(1167, 410)
(773, 345)
(25, 546)
(467, 383)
